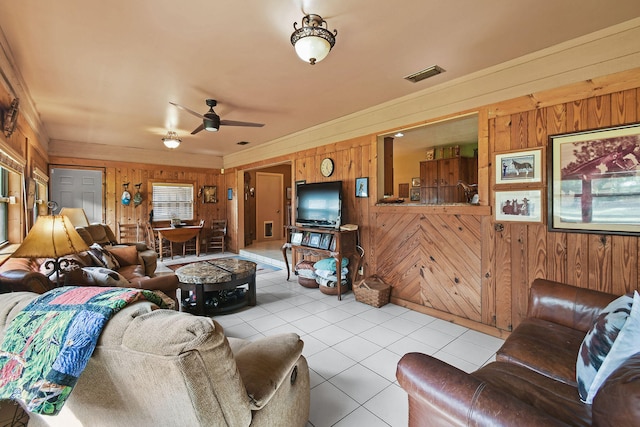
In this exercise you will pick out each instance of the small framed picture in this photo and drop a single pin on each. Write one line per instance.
(414, 195)
(362, 187)
(314, 240)
(210, 194)
(296, 239)
(519, 167)
(306, 236)
(519, 206)
(229, 193)
(325, 241)
(415, 182)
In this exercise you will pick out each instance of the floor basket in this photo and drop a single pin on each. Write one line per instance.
(333, 290)
(372, 291)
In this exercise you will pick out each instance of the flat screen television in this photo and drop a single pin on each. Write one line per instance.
(319, 204)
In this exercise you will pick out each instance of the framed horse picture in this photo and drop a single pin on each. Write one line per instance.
(518, 167)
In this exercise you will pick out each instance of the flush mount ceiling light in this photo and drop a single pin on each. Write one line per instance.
(312, 41)
(171, 140)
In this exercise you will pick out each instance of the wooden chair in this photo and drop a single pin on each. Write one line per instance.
(190, 245)
(151, 239)
(129, 233)
(218, 235)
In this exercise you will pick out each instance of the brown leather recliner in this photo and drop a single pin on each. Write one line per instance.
(533, 380)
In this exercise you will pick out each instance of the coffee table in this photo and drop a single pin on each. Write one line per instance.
(218, 275)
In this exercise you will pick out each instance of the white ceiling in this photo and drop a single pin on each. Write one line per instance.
(103, 72)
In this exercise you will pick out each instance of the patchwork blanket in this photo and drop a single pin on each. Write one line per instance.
(48, 344)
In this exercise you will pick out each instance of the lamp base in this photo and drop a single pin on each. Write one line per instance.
(57, 265)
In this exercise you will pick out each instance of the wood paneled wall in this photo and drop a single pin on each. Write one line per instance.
(118, 173)
(607, 263)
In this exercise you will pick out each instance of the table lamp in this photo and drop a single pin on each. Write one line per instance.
(77, 216)
(52, 236)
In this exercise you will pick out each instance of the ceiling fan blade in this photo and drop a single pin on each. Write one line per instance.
(198, 129)
(235, 123)
(186, 109)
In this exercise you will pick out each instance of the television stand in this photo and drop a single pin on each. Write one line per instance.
(342, 245)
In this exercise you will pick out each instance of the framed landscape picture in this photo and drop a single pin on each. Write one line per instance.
(594, 181)
(519, 206)
(518, 167)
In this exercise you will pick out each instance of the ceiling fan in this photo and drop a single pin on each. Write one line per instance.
(211, 121)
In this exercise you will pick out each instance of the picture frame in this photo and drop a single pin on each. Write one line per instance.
(306, 237)
(519, 167)
(591, 177)
(430, 154)
(362, 187)
(314, 240)
(296, 238)
(414, 194)
(325, 241)
(415, 182)
(519, 206)
(229, 193)
(210, 194)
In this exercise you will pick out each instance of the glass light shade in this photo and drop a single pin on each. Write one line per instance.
(52, 236)
(77, 216)
(312, 49)
(171, 140)
(171, 143)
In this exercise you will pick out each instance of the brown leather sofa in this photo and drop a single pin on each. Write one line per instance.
(533, 380)
(138, 267)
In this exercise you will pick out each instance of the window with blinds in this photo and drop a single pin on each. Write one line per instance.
(172, 200)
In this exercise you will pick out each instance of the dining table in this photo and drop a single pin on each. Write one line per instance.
(179, 234)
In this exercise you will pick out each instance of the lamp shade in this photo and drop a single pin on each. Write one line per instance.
(312, 49)
(52, 236)
(77, 216)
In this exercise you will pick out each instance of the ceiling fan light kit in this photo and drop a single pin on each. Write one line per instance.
(211, 121)
(312, 41)
(171, 140)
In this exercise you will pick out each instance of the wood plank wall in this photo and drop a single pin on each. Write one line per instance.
(603, 262)
(118, 173)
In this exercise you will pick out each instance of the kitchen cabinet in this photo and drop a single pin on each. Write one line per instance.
(439, 179)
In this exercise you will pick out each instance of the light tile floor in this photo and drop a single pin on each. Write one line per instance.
(352, 348)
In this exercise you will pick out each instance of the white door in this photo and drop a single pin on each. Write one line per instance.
(269, 206)
(78, 188)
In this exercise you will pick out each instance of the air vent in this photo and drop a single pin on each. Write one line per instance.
(434, 70)
(243, 142)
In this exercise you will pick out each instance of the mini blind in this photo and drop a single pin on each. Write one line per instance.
(172, 201)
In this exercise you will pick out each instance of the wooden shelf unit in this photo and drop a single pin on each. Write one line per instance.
(345, 247)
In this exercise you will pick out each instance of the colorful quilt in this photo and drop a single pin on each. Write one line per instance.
(48, 344)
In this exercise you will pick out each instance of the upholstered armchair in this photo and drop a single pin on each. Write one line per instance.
(155, 367)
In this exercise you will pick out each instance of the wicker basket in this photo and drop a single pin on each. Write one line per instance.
(372, 291)
(333, 290)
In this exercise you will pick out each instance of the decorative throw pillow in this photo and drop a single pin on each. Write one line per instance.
(102, 258)
(105, 277)
(598, 342)
(329, 264)
(626, 345)
(125, 255)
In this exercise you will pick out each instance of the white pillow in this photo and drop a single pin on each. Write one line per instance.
(105, 277)
(626, 345)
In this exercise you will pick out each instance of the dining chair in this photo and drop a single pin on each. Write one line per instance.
(190, 245)
(129, 233)
(218, 235)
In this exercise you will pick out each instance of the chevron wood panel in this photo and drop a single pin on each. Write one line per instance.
(432, 260)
